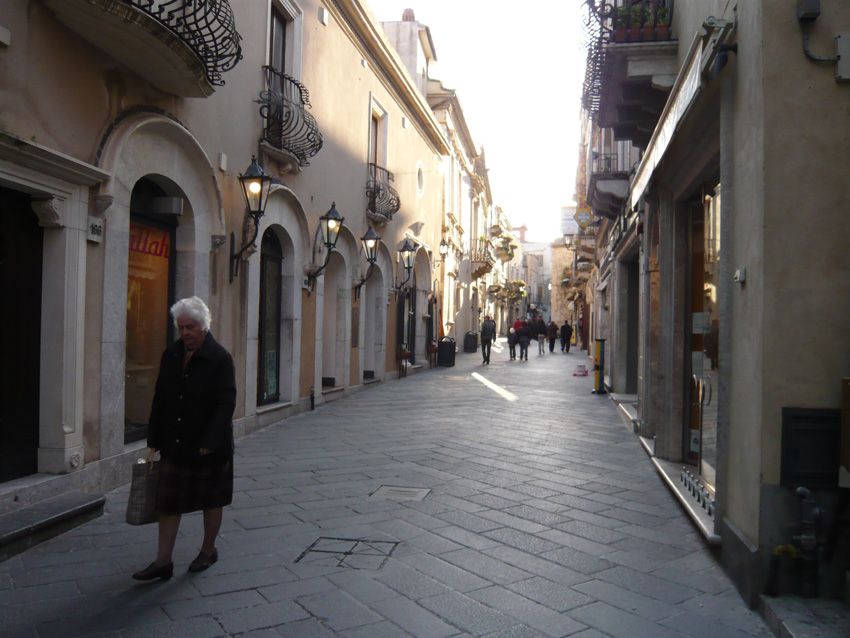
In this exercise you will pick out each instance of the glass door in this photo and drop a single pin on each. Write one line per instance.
(705, 328)
(149, 295)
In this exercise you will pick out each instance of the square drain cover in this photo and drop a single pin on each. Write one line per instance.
(356, 553)
(395, 493)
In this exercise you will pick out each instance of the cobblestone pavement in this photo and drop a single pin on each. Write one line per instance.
(544, 518)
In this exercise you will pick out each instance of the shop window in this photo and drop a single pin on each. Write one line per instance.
(268, 352)
(150, 286)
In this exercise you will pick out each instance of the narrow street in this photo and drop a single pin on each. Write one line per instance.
(544, 518)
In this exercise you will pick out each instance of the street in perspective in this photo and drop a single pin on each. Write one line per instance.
(284, 351)
(500, 500)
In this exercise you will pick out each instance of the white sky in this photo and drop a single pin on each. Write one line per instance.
(517, 70)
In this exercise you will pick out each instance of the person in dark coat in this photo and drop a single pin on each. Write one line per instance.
(488, 333)
(512, 341)
(524, 338)
(552, 334)
(566, 335)
(191, 427)
(539, 330)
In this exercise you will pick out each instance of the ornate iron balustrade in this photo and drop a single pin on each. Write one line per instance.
(605, 163)
(611, 21)
(482, 257)
(206, 26)
(384, 201)
(288, 125)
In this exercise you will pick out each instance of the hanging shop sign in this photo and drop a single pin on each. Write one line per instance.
(583, 217)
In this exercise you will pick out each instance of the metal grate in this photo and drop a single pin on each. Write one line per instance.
(396, 493)
(354, 553)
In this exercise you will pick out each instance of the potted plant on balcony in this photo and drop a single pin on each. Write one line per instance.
(647, 30)
(662, 23)
(635, 23)
(621, 23)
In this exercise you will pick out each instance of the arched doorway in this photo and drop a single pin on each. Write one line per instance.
(374, 317)
(154, 205)
(21, 240)
(420, 316)
(150, 147)
(269, 328)
(336, 317)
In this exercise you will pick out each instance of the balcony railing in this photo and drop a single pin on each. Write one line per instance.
(605, 163)
(207, 26)
(288, 125)
(383, 199)
(615, 21)
(181, 47)
(482, 257)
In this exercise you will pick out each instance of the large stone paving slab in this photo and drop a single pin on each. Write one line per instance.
(535, 517)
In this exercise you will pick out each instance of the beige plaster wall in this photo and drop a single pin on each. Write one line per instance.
(745, 215)
(806, 228)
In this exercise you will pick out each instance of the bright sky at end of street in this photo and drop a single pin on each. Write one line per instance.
(518, 72)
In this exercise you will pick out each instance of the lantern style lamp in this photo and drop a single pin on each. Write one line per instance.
(370, 249)
(329, 224)
(444, 249)
(406, 253)
(256, 185)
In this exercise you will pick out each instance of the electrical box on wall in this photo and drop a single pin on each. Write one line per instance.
(842, 52)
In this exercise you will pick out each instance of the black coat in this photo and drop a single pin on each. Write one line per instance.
(193, 408)
(566, 331)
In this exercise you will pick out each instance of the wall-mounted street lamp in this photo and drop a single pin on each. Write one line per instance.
(444, 249)
(330, 224)
(406, 254)
(370, 248)
(255, 185)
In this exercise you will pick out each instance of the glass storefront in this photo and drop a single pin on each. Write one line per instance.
(148, 327)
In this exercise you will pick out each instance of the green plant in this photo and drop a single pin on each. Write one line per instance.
(662, 16)
(637, 15)
(621, 18)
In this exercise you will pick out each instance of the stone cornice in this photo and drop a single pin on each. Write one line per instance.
(48, 161)
(366, 33)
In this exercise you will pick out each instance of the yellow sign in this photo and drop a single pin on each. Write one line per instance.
(583, 217)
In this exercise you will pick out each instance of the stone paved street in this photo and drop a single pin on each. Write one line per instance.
(544, 518)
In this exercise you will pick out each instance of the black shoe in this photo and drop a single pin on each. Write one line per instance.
(163, 572)
(203, 561)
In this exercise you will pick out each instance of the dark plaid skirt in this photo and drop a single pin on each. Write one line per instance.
(184, 489)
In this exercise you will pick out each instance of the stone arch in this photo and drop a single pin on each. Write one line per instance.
(286, 217)
(374, 324)
(421, 279)
(334, 290)
(153, 146)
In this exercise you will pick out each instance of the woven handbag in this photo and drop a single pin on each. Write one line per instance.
(141, 505)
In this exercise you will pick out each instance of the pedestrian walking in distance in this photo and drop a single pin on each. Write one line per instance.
(488, 333)
(552, 335)
(566, 335)
(512, 341)
(539, 329)
(192, 429)
(524, 338)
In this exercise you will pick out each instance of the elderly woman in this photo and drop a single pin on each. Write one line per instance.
(191, 428)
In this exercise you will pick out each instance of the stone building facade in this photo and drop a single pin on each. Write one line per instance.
(723, 302)
(123, 134)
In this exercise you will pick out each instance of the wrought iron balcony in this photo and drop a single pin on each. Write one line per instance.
(481, 256)
(179, 46)
(289, 128)
(608, 186)
(631, 65)
(383, 199)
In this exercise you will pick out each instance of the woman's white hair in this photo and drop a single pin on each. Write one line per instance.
(193, 308)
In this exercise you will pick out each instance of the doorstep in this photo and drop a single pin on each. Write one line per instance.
(796, 617)
(29, 525)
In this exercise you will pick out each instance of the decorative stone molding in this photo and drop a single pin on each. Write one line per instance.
(101, 204)
(47, 209)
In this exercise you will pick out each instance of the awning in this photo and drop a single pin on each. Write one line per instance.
(685, 89)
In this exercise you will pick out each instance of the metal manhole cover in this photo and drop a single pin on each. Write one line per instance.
(355, 553)
(397, 493)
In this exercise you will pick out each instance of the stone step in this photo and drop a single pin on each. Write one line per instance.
(30, 525)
